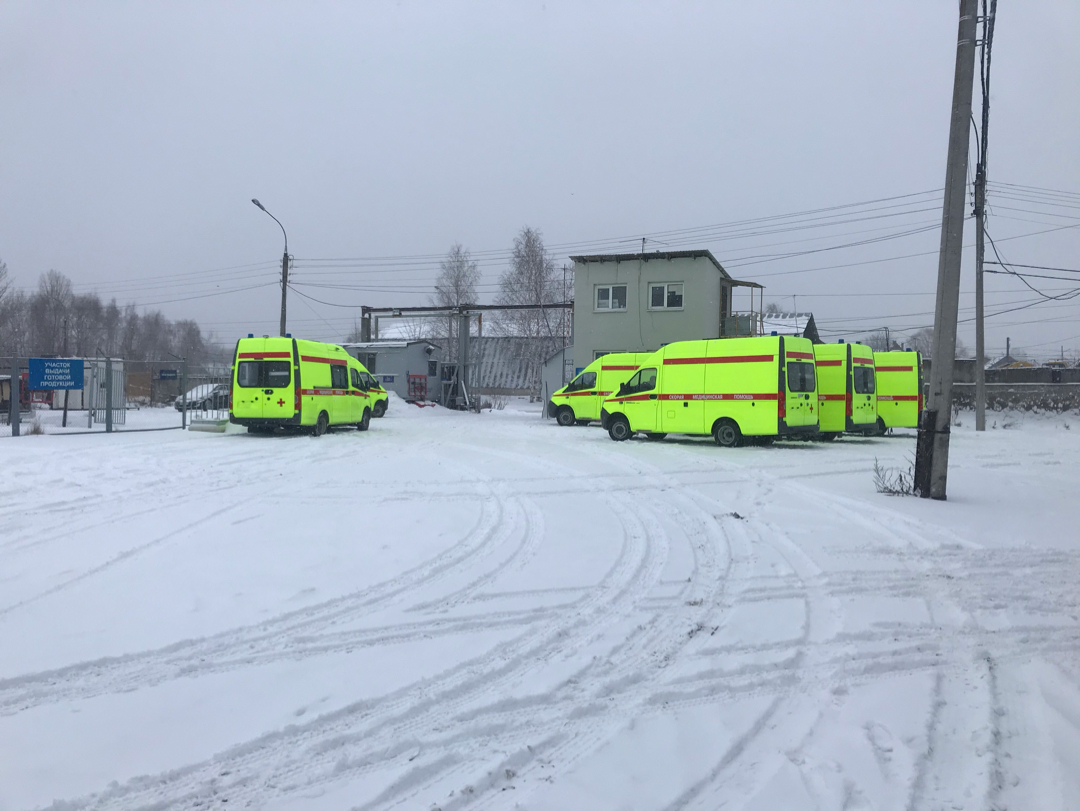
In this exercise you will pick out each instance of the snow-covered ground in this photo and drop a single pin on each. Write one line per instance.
(489, 611)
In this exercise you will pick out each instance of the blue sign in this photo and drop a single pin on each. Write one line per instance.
(55, 373)
(167, 374)
(387, 378)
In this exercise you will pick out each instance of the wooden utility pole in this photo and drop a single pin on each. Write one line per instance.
(932, 450)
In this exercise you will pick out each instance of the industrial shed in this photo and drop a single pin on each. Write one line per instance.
(410, 369)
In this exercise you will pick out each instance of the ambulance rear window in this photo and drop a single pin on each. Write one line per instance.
(863, 379)
(800, 376)
(263, 374)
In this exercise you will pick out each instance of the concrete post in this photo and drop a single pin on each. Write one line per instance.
(932, 449)
(183, 395)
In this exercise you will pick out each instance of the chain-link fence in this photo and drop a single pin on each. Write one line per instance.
(78, 395)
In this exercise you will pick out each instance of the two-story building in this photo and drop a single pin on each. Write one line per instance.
(638, 302)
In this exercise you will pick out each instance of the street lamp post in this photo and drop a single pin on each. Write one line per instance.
(284, 263)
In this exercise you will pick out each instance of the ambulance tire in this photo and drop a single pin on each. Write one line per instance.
(653, 437)
(619, 429)
(322, 424)
(881, 428)
(379, 409)
(365, 421)
(565, 416)
(726, 433)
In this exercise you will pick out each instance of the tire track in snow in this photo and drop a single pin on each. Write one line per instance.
(317, 751)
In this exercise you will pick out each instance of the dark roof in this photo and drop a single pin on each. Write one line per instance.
(645, 257)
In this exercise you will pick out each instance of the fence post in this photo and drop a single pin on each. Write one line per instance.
(183, 389)
(13, 394)
(108, 395)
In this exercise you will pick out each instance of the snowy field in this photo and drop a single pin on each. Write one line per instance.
(463, 611)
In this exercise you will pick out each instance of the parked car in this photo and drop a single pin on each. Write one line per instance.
(205, 397)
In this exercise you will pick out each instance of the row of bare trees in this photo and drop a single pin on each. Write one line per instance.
(54, 320)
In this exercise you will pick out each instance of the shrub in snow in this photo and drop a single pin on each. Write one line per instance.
(893, 481)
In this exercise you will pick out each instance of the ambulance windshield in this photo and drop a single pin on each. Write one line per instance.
(585, 380)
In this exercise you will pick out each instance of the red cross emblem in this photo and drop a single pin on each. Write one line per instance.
(280, 402)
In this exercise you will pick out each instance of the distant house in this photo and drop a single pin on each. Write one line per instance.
(638, 302)
(798, 324)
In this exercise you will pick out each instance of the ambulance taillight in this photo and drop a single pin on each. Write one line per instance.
(848, 410)
(781, 401)
(296, 399)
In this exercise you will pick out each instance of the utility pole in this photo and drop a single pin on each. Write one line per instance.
(932, 449)
(284, 263)
(980, 214)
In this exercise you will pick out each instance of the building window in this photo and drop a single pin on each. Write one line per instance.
(611, 297)
(666, 296)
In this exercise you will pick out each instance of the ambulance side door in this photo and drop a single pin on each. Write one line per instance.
(640, 405)
(682, 388)
(341, 408)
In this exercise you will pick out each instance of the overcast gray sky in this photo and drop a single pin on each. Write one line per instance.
(134, 135)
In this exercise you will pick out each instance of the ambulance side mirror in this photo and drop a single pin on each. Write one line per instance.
(622, 389)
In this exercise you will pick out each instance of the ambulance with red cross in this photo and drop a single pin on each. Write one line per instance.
(300, 385)
(730, 388)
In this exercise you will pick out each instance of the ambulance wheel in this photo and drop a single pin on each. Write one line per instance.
(727, 434)
(881, 427)
(565, 416)
(655, 437)
(619, 429)
(321, 425)
(379, 410)
(365, 421)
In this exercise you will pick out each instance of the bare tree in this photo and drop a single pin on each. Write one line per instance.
(772, 309)
(923, 341)
(48, 311)
(454, 286)
(5, 283)
(877, 341)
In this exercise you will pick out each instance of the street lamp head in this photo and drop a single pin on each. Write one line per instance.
(256, 202)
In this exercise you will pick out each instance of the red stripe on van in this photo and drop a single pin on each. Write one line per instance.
(261, 355)
(896, 368)
(866, 361)
(617, 368)
(801, 355)
(827, 362)
(768, 396)
(728, 359)
(829, 397)
(323, 391)
(331, 361)
(907, 397)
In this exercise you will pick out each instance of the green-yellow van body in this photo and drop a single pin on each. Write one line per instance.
(846, 391)
(699, 383)
(585, 394)
(899, 388)
(290, 382)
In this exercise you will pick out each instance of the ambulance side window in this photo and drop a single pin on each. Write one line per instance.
(644, 380)
(863, 379)
(371, 381)
(354, 376)
(339, 377)
(585, 380)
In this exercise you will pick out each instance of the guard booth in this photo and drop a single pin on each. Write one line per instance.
(407, 368)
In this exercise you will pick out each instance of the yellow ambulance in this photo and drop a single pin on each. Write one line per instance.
(379, 398)
(291, 383)
(845, 381)
(579, 400)
(728, 387)
(899, 389)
